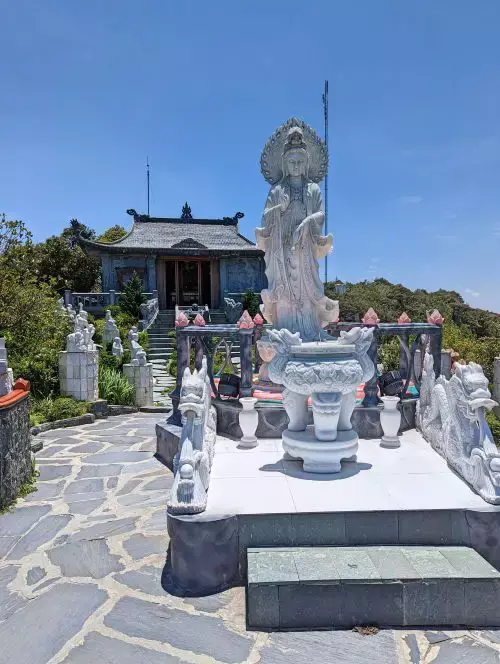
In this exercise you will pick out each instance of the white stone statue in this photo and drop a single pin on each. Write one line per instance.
(75, 342)
(193, 461)
(117, 348)
(111, 330)
(135, 346)
(294, 160)
(450, 415)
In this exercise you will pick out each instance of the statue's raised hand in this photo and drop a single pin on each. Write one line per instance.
(284, 201)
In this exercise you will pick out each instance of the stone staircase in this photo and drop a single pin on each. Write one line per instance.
(344, 587)
(161, 347)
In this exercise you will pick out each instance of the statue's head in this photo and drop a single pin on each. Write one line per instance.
(295, 157)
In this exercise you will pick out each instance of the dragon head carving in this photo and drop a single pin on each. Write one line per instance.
(283, 340)
(471, 389)
(194, 390)
(361, 338)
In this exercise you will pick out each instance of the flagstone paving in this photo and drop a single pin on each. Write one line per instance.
(81, 562)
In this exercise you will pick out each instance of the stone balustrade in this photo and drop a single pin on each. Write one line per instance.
(96, 303)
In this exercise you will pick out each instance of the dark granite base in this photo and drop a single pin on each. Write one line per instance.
(273, 419)
(208, 553)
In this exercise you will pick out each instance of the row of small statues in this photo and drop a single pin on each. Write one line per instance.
(81, 339)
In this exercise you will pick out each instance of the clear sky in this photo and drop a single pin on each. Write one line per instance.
(89, 89)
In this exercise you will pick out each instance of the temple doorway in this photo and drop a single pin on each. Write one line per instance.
(187, 282)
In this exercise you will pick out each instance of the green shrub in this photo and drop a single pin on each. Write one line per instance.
(144, 340)
(132, 296)
(106, 359)
(114, 387)
(251, 302)
(50, 409)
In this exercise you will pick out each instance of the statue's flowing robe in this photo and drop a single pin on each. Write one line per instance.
(295, 297)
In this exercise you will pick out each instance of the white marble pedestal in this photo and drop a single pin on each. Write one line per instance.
(320, 456)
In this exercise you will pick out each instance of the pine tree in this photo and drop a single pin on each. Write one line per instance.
(132, 296)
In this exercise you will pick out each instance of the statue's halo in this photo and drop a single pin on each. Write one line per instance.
(271, 157)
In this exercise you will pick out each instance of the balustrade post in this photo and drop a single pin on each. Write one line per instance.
(112, 297)
(183, 347)
(199, 352)
(435, 342)
(246, 337)
(404, 365)
(371, 398)
(67, 298)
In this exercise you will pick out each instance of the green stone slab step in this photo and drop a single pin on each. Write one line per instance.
(341, 587)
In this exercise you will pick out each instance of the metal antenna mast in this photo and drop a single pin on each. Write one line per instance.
(147, 172)
(325, 111)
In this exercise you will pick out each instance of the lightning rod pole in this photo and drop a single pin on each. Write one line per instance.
(147, 172)
(325, 111)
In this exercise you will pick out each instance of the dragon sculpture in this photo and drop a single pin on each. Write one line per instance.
(451, 417)
(193, 461)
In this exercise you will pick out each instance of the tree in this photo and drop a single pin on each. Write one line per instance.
(132, 296)
(76, 230)
(13, 233)
(66, 266)
(112, 234)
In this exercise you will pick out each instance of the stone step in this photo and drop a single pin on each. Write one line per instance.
(342, 587)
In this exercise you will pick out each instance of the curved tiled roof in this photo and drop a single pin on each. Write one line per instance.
(157, 234)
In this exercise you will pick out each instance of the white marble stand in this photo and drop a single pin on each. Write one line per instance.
(140, 376)
(321, 456)
(78, 374)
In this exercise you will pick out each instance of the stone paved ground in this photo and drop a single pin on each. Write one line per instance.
(81, 561)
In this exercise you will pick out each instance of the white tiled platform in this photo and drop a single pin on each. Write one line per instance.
(412, 477)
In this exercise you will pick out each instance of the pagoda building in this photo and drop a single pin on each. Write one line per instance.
(188, 261)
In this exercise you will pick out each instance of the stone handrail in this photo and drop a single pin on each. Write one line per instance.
(149, 312)
(423, 333)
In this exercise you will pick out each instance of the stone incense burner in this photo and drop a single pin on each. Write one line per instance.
(328, 372)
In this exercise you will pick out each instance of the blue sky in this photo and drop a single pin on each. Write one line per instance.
(90, 88)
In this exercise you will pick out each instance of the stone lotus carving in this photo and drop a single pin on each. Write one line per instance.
(435, 317)
(258, 320)
(199, 320)
(404, 319)
(370, 317)
(245, 322)
(232, 309)
(294, 160)
(193, 461)
(181, 320)
(451, 417)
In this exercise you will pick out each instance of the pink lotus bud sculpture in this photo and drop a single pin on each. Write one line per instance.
(182, 320)
(199, 320)
(434, 317)
(258, 320)
(404, 319)
(371, 317)
(245, 322)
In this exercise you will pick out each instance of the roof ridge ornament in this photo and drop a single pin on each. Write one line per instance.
(186, 211)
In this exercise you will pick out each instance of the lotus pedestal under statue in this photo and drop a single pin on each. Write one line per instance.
(328, 372)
